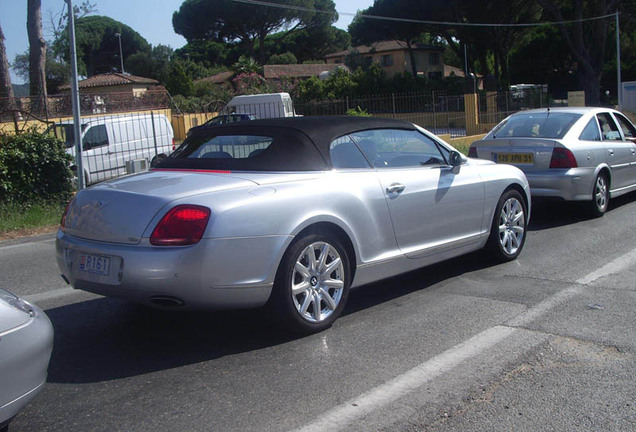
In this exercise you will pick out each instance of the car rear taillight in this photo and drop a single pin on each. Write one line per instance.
(174, 146)
(63, 220)
(183, 225)
(472, 152)
(562, 158)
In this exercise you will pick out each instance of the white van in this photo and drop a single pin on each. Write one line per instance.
(266, 105)
(110, 142)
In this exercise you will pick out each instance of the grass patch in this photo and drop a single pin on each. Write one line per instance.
(27, 216)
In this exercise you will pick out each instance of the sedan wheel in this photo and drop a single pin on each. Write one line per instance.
(312, 284)
(600, 196)
(508, 231)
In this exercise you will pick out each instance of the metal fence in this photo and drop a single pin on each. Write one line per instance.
(436, 111)
(118, 144)
(56, 106)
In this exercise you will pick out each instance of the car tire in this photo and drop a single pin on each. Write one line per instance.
(600, 196)
(312, 284)
(509, 227)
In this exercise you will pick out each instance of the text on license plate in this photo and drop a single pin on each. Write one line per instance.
(515, 158)
(94, 264)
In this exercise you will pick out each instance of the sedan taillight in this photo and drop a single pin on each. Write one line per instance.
(562, 158)
(472, 152)
(183, 225)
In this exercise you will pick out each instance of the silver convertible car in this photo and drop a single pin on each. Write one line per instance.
(574, 154)
(26, 343)
(289, 214)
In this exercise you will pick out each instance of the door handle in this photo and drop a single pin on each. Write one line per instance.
(395, 188)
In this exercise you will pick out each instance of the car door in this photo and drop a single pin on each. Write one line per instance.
(96, 153)
(629, 136)
(618, 153)
(433, 206)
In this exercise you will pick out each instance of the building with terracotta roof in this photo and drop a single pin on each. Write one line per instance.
(115, 83)
(220, 78)
(394, 57)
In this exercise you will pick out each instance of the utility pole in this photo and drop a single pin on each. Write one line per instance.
(618, 64)
(121, 53)
(75, 98)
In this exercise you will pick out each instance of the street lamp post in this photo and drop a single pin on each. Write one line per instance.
(121, 55)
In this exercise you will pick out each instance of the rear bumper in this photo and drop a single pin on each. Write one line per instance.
(24, 359)
(233, 273)
(573, 184)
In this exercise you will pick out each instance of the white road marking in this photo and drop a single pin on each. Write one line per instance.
(342, 416)
(339, 418)
(32, 243)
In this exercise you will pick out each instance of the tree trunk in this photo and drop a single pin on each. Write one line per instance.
(37, 54)
(6, 89)
(412, 57)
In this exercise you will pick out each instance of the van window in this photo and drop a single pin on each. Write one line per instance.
(95, 137)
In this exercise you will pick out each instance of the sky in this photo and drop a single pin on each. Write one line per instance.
(151, 18)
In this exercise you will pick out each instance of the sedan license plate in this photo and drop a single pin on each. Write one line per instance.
(94, 264)
(515, 158)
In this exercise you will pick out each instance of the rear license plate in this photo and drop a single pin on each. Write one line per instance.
(94, 264)
(515, 158)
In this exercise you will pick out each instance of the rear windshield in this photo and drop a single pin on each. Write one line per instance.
(536, 125)
(280, 150)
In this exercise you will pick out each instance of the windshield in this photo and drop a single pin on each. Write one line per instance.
(63, 132)
(536, 125)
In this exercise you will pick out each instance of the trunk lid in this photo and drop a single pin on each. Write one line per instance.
(528, 154)
(119, 211)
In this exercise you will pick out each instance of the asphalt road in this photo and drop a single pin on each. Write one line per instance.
(546, 342)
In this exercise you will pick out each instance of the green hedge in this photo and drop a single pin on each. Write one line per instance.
(33, 168)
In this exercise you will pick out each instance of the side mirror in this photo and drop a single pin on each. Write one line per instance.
(455, 159)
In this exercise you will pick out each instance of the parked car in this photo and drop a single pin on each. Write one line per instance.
(109, 142)
(223, 119)
(26, 342)
(265, 105)
(289, 214)
(574, 154)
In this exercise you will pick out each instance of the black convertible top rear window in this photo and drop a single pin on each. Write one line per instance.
(267, 149)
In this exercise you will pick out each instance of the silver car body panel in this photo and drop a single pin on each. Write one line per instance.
(26, 343)
(618, 158)
(442, 212)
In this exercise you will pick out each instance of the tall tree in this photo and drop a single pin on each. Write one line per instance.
(228, 21)
(587, 40)
(97, 45)
(37, 52)
(6, 89)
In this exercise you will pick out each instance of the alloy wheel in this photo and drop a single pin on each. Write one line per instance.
(318, 281)
(512, 222)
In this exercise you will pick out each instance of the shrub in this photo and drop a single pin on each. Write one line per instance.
(358, 112)
(34, 167)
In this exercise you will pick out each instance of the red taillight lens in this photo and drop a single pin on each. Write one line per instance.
(63, 220)
(173, 145)
(183, 225)
(562, 158)
(472, 152)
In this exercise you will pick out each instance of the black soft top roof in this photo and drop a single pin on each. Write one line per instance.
(296, 140)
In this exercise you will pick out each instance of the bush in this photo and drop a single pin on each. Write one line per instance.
(34, 168)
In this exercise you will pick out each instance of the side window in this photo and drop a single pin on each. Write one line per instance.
(345, 154)
(95, 137)
(591, 132)
(628, 128)
(390, 148)
(609, 130)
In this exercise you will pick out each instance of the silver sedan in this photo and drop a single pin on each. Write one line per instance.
(26, 342)
(575, 154)
(289, 214)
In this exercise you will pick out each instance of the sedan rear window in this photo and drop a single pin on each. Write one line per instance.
(269, 149)
(536, 125)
